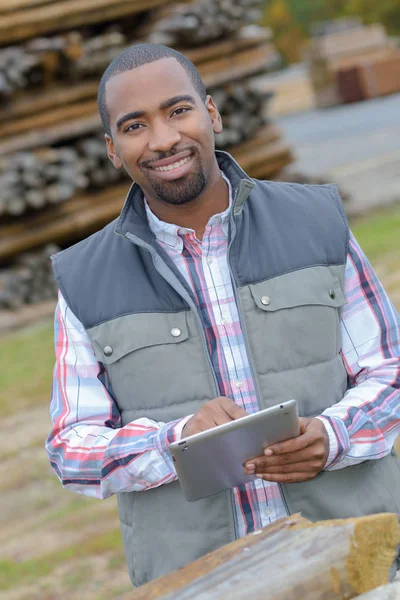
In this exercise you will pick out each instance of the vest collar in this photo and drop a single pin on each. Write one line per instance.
(133, 217)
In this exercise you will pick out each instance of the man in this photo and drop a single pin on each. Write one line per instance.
(210, 297)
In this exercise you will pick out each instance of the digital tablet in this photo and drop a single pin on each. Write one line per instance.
(212, 461)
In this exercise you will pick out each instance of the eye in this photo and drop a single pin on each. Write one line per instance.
(181, 110)
(134, 127)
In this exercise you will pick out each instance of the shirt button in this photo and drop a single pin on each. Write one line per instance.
(224, 321)
(332, 294)
(107, 350)
(265, 300)
(209, 260)
(239, 384)
(175, 332)
(266, 513)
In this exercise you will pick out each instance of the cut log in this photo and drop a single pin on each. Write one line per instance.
(66, 14)
(322, 561)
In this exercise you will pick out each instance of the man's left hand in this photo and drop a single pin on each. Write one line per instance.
(297, 459)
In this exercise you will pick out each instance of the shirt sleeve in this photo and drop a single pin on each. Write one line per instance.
(366, 422)
(90, 451)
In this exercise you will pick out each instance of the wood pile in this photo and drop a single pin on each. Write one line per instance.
(353, 65)
(29, 281)
(291, 558)
(56, 182)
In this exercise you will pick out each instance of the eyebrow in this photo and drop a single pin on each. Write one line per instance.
(138, 114)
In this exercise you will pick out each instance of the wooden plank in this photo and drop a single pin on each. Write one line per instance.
(237, 66)
(66, 14)
(9, 6)
(266, 135)
(56, 133)
(327, 560)
(47, 119)
(35, 102)
(254, 160)
(218, 49)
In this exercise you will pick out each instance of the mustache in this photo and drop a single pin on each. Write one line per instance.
(165, 155)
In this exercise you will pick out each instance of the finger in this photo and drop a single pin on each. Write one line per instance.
(293, 445)
(315, 452)
(300, 467)
(232, 409)
(286, 477)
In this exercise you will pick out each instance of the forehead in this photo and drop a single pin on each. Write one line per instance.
(145, 87)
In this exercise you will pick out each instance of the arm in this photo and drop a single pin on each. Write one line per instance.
(88, 449)
(366, 422)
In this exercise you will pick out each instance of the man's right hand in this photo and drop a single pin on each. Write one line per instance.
(215, 412)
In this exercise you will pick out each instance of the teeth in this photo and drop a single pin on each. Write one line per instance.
(174, 165)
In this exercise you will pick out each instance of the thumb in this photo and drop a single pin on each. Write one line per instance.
(304, 422)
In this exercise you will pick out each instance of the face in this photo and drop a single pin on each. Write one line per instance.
(162, 131)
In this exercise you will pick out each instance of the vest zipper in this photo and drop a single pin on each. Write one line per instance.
(242, 325)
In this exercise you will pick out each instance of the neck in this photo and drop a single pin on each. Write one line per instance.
(195, 214)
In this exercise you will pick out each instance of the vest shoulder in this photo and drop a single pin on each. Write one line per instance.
(83, 246)
(293, 190)
(318, 199)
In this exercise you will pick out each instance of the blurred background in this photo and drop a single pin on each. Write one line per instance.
(308, 92)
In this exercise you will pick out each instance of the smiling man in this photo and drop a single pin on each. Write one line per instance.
(210, 297)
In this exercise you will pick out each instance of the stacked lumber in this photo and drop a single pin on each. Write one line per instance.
(291, 558)
(56, 183)
(353, 64)
(29, 281)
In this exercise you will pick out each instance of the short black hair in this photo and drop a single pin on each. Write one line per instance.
(136, 56)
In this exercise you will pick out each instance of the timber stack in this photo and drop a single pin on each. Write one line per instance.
(57, 185)
(352, 64)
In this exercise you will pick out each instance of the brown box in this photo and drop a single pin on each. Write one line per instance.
(381, 77)
(350, 84)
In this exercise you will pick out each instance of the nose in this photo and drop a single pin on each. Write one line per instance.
(163, 137)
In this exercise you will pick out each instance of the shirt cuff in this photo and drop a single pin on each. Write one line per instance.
(339, 443)
(168, 433)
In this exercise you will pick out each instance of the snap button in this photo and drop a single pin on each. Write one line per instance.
(332, 294)
(265, 300)
(107, 350)
(176, 332)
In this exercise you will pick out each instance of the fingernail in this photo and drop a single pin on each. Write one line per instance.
(250, 467)
(268, 452)
(258, 475)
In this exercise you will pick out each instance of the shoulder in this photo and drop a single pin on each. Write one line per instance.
(86, 246)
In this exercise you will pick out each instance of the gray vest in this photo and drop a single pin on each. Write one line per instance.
(286, 241)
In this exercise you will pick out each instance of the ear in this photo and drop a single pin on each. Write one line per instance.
(112, 153)
(214, 115)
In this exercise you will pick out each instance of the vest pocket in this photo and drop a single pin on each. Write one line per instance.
(117, 338)
(294, 319)
(156, 363)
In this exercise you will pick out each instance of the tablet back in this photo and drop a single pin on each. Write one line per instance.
(212, 461)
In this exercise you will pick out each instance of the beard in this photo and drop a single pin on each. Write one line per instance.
(182, 190)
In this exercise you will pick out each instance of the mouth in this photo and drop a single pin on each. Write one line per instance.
(174, 167)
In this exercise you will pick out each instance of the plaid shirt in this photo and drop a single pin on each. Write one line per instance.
(94, 455)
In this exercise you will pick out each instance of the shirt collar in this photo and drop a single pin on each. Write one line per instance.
(172, 235)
